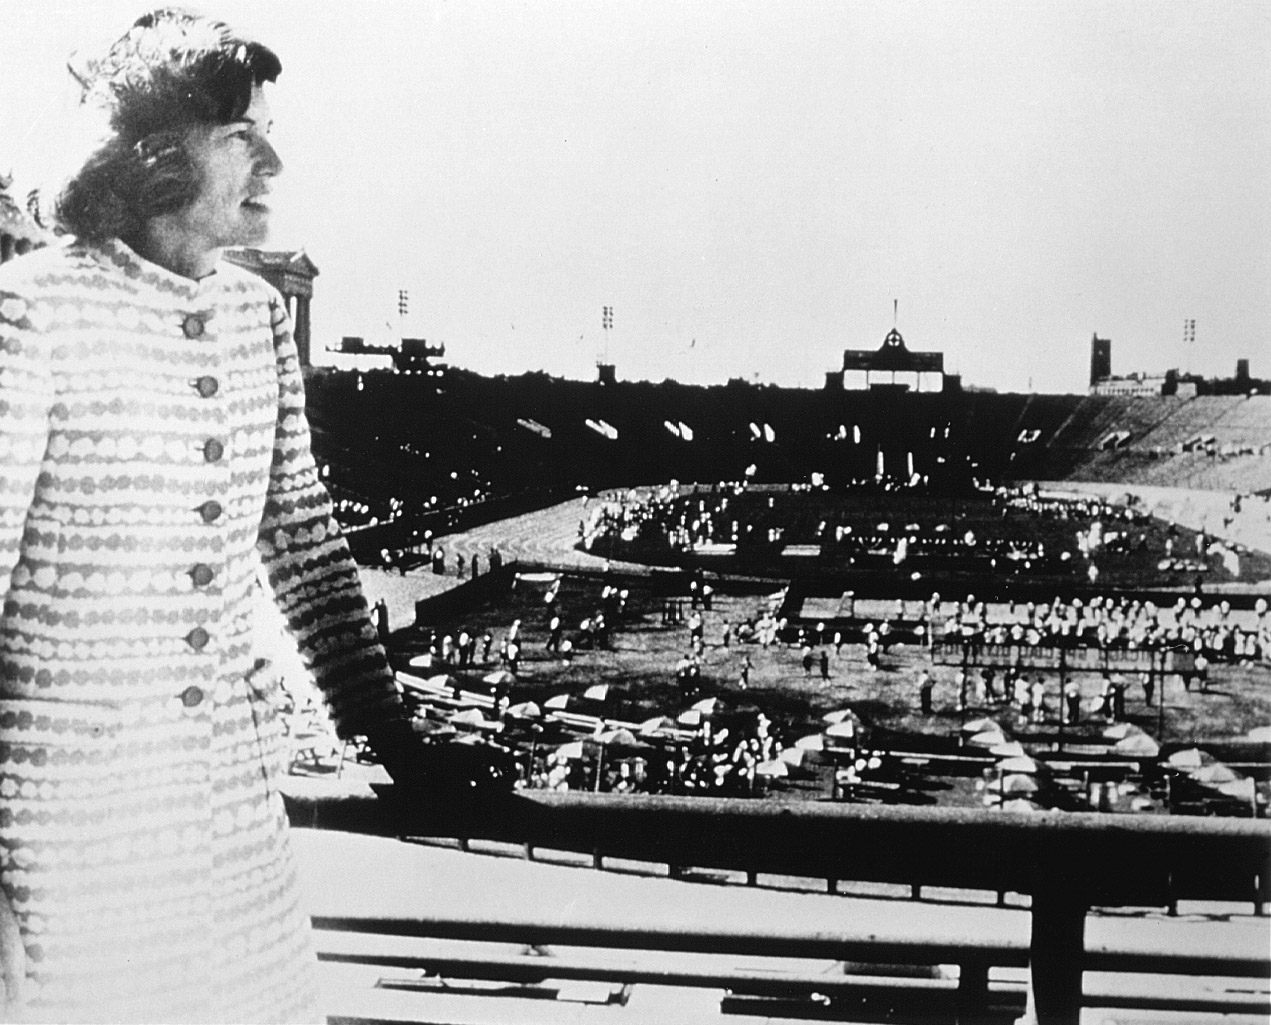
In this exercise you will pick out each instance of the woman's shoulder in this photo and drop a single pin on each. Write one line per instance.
(44, 266)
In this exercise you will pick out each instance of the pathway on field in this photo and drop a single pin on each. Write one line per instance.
(545, 537)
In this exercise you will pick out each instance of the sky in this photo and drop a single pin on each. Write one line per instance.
(752, 186)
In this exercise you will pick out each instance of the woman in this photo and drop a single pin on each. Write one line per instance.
(153, 452)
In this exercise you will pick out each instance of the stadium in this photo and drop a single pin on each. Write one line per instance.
(671, 608)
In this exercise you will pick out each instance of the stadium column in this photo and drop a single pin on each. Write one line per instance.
(300, 329)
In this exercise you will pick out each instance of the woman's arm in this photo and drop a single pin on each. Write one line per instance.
(313, 577)
(26, 398)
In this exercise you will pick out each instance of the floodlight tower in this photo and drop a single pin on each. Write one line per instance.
(604, 367)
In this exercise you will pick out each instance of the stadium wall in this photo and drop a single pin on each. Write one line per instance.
(461, 437)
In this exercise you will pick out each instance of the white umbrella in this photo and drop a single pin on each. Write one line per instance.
(442, 680)
(655, 725)
(1242, 787)
(1019, 763)
(557, 701)
(1139, 744)
(987, 739)
(1021, 806)
(597, 692)
(432, 728)
(980, 725)
(1190, 758)
(1017, 783)
(842, 729)
(423, 661)
(573, 750)
(499, 676)
(621, 735)
(795, 756)
(691, 717)
(1215, 772)
(775, 769)
(812, 742)
(525, 710)
(1121, 730)
(842, 715)
(706, 706)
(1011, 749)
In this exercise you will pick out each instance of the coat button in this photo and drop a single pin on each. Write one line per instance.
(192, 696)
(197, 638)
(210, 510)
(213, 450)
(207, 385)
(193, 326)
(202, 575)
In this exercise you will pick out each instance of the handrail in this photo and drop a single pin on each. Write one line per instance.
(1068, 862)
(1115, 859)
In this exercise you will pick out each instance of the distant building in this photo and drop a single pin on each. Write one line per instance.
(1168, 382)
(292, 273)
(893, 366)
(1100, 359)
(1136, 384)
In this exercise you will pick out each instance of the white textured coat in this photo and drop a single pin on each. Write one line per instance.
(153, 450)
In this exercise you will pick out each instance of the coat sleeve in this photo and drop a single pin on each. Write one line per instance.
(313, 577)
(26, 401)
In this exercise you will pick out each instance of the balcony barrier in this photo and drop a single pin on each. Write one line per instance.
(1067, 863)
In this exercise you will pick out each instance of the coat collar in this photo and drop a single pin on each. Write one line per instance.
(117, 253)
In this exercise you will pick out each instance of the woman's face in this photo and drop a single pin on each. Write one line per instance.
(235, 165)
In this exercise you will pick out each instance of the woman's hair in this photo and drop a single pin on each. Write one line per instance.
(172, 71)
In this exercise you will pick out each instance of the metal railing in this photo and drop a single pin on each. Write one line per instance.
(1067, 863)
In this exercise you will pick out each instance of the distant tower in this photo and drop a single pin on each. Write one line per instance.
(605, 371)
(1100, 359)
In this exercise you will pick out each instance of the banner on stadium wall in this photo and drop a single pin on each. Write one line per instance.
(1085, 660)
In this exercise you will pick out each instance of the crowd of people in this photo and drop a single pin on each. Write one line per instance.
(693, 751)
(1064, 536)
(1207, 630)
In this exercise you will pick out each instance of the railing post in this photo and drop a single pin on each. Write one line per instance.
(1057, 952)
(973, 991)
